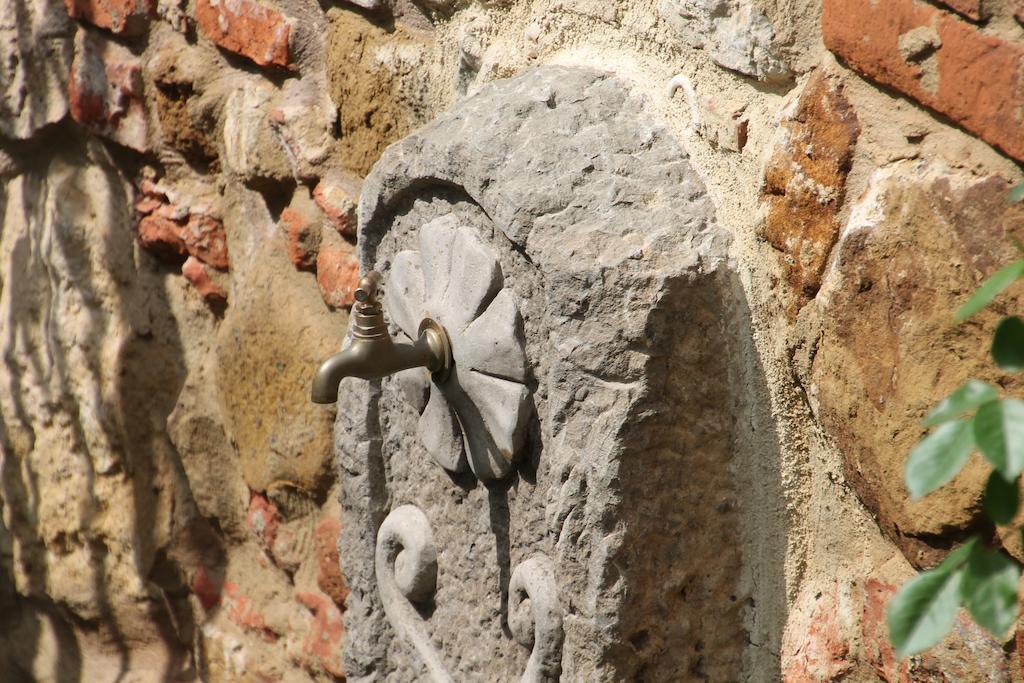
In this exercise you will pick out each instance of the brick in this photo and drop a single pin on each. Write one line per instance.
(248, 28)
(338, 196)
(329, 577)
(805, 181)
(878, 651)
(181, 226)
(242, 610)
(263, 520)
(971, 9)
(337, 274)
(322, 645)
(303, 232)
(200, 276)
(105, 91)
(124, 17)
(942, 62)
(206, 589)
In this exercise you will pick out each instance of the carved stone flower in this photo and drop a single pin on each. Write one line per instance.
(478, 416)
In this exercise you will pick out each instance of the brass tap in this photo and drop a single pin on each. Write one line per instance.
(373, 354)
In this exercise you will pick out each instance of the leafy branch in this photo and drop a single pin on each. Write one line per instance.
(972, 418)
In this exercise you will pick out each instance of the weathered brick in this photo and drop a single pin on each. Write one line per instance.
(329, 577)
(248, 28)
(199, 276)
(338, 196)
(937, 59)
(805, 181)
(125, 17)
(263, 519)
(105, 91)
(322, 647)
(972, 9)
(181, 226)
(337, 273)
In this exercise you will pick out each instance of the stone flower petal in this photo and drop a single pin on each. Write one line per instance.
(493, 413)
(436, 239)
(405, 292)
(475, 280)
(493, 343)
(440, 433)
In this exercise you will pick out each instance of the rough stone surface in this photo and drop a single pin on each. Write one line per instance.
(601, 404)
(337, 196)
(128, 17)
(105, 91)
(247, 27)
(805, 181)
(337, 272)
(304, 120)
(36, 45)
(251, 147)
(969, 76)
(736, 33)
(917, 242)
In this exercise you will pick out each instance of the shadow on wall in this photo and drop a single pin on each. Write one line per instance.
(704, 565)
(97, 512)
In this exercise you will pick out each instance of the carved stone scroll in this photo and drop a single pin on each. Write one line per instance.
(406, 568)
(535, 618)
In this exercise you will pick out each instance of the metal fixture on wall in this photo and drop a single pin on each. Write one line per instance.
(373, 354)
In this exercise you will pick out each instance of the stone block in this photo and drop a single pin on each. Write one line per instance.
(604, 240)
(251, 147)
(737, 35)
(125, 17)
(36, 47)
(337, 195)
(918, 242)
(250, 28)
(805, 181)
(105, 91)
(303, 119)
(970, 76)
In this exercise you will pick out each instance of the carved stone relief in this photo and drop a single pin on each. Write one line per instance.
(569, 248)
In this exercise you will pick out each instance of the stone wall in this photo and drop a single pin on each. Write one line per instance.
(178, 192)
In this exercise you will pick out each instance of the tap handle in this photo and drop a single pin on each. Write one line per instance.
(366, 293)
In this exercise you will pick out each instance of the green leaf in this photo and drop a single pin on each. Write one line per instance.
(999, 433)
(938, 457)
(989, 590)
(1002, 498)
(989, 289)
(969, 396)
(1008, 344)
(924, 610)
(1016, 194)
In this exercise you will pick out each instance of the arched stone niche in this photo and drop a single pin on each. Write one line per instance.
(610, 548)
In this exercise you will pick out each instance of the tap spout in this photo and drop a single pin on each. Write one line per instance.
(373, 354)
(377, 358)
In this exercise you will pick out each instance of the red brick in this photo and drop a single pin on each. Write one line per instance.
(323, 643)
(337, 196)
(975, 79)
(337, 275)
(329, 577)
(206, 589)
(248, 28)
(303, 237)
(125, 17)
(971, 9)
(242, 611)
(878, 651)
(263, 519)
(823, 653)
(105, 91)
(198, 274)
(179, 231)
